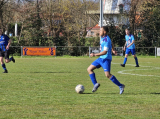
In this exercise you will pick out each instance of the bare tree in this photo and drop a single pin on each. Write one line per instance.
(2, 4)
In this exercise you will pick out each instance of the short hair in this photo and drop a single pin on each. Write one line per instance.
(127, 29)
(105, 28)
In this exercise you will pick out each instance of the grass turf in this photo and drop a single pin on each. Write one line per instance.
(44, 88)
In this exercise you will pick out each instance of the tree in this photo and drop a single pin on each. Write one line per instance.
(133, 13)
(3, 4)
(54, 17)
(32, 23)
(77, 21)
(150, 23)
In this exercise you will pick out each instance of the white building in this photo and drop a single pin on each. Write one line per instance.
(114, 11)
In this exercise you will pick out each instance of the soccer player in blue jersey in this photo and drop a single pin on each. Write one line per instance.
(129, 47)
(4, 50)
(104, 61)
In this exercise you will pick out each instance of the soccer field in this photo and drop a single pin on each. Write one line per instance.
(44, 88)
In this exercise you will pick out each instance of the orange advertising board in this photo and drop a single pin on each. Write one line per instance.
(44, 51)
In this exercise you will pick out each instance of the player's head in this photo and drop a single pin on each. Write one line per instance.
(127, 30)
(0, 31)
(103, 31)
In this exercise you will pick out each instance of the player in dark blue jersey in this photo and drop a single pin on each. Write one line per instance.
(129, 47)
(104, 60)
(5, 42)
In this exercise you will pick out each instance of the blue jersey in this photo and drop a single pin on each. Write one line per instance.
(129, 40)
(105, 42)
(3, 42)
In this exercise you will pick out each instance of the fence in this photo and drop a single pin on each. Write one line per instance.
(85, 51)
(97, 50)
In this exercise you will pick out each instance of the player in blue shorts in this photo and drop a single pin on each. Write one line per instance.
(104, 61)
(4, 50)
(129, 47)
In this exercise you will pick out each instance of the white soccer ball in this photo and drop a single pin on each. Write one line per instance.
(79, 88)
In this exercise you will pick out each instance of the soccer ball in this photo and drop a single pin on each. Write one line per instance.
(79, 88)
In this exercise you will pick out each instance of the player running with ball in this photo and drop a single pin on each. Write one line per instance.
(104, 61)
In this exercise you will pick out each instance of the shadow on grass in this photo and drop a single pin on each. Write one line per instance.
(87, 93)
(156, 93)
(52, 72)
(47, 72)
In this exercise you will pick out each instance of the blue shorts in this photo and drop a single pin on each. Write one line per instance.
(104, 63)
(133, 51)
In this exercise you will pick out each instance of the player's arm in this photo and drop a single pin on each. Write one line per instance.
(130, 44)
(105, 50)
(113, 50)
(124, 48)
(9, 43)
(99, 54)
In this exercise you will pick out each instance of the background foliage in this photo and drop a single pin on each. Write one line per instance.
(65, 22)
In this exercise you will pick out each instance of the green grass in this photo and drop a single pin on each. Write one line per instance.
(44, 88)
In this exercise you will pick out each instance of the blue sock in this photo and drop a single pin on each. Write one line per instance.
(4, 66)
(11, 58)
(115, 81)
(136, 60)
(93, 78)
(125, 60)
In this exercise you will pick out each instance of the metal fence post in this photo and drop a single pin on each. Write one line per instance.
(122, 51)
(155, 52)
(89, 51)
(21, 51)
(56, 52)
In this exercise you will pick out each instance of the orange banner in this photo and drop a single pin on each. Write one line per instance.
(45, 51)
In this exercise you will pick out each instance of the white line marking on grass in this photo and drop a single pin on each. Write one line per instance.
(123, 72)
(146, 68)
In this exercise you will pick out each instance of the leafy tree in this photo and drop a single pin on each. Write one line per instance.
(150, 22)
(32, 25)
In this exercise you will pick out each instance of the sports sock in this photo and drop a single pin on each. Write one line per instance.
(136, 60)
(115, 81)
(11, 58)
(93, 78)
(125, 60)
(4, 66)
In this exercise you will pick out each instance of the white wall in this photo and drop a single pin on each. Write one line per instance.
(112, 6)
(111, 11)
(116, 18)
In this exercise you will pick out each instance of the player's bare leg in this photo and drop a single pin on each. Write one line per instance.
(93, 77)
(9, 60)
(90, 69)
(3, 65)
(1, 60)
(108, 75)
(115, 81)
